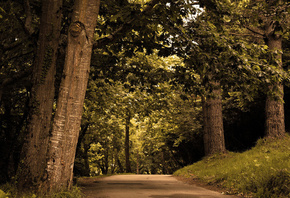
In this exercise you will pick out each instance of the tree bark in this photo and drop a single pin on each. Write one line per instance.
(213, 123)
(66, 125)
(127, 142)
(31, 170)
(275, 122)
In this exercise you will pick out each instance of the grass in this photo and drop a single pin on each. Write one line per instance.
(10, 191)
(263, 171)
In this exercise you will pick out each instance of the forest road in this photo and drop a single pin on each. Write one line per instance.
(144, 186)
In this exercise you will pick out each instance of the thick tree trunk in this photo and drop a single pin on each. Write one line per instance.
(33, 163)
(127, 142)
(66, 125)
(213, 124)
(275, 123)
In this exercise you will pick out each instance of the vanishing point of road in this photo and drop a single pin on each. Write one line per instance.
(145, 186)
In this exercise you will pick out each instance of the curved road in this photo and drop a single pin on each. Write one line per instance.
(145, 186)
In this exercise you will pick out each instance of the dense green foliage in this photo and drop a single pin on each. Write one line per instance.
(262, 171)
(161, 121)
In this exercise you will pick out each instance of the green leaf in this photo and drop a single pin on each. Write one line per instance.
(226, 19)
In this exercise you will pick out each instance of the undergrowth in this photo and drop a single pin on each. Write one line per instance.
(263, 171)
(9, 191)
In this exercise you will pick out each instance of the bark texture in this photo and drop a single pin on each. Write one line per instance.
(275, 121)
(66, 125)
(33, 164)
(213, 123)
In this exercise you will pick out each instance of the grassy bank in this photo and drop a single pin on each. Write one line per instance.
(263, 171)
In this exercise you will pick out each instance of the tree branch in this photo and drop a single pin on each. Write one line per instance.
(255, 31)
(28, 20)
(19, 55)
(17, 76)
(11, 45)
(27, 24)
(244, 34)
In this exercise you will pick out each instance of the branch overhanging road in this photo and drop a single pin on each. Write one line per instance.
(145, 186)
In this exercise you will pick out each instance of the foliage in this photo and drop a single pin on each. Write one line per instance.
(151, 26)
(164, 124)
(212, 47)
(3, 194)
(129, 72)
(262, 171)
(219, 48)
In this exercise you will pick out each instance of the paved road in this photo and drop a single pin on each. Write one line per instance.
(145, 186)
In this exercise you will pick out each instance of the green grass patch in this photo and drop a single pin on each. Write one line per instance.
(263, 171)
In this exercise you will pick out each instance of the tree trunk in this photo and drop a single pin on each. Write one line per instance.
(86, 160)
(164, 165)
(119, 162)
(137, 162)
(127, 142)
(33, 163)
(106, 160)
(66, 125)
(275, 123)
(213, 123)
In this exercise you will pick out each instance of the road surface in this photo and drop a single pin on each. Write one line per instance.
(145, 186)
